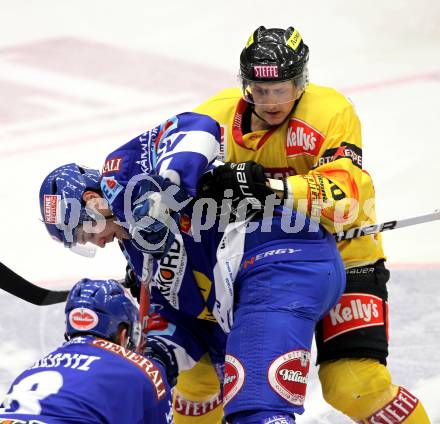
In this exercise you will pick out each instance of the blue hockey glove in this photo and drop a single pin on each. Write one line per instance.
(149, 234)
(164, 354)
(155, 215)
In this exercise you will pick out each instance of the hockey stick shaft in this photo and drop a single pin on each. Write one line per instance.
(144, 308)
(22, 288)
(385, 226)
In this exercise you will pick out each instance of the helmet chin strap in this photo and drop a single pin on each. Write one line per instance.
(252, 106)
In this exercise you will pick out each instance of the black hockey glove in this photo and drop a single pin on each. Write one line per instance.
(131, 283)
(164, 354)
(243, 180)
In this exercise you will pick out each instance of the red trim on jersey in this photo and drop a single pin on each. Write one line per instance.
(161, 132)
(237, 133)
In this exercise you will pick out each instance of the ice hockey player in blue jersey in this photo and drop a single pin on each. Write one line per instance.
(247, 291)
(94, 377)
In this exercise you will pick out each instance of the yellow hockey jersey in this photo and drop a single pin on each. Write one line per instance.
(319, 150)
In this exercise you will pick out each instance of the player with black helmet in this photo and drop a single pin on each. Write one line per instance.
(308, 138)
(273, 72)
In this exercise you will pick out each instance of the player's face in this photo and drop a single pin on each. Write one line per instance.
(100, 233)
(103, 229)
(274, 101)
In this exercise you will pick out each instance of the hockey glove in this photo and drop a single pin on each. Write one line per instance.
(131, 283)
(244, 180)
(160, 352)
(155, 215)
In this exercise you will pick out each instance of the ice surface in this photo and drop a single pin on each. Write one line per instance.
(77, 79)
(28, 332)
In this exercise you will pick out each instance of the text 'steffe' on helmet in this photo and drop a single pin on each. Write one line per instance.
(61, 201)
(98, 307)
(274, 55)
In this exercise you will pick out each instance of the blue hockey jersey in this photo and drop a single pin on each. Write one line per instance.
(196, 278)
(90, 380)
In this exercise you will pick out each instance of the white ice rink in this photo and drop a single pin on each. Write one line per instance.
(79, 78)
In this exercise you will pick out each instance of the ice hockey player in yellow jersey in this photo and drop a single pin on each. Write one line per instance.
(308, 138)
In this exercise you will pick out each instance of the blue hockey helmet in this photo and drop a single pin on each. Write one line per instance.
(98, 307)
(61, 200)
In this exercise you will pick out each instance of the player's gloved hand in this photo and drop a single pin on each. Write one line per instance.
(151, 235)
(155, 215)
(131, 283)
(244, 180)
(164, 354)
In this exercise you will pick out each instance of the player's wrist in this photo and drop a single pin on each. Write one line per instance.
(278, 187)
(164, 355)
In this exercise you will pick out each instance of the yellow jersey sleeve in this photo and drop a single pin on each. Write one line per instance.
(331, 190)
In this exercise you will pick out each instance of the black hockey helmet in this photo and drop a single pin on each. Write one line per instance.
(284, 50)
(274, 55)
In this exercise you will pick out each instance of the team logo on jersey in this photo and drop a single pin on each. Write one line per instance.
(288, 375)
(234, 378)
(111, 165)
(110, 188)
(52, 208)
(169, 276)
(349, 151)
(302, 139)
(266, 71)
(346, 150)
(83, 319)
(352, 312)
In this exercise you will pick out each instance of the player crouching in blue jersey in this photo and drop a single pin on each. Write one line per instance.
(94, 376)
(265, 290)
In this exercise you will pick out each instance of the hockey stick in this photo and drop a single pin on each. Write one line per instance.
(18, 286)
(385, 226)
(144, 304)
(144, 308)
